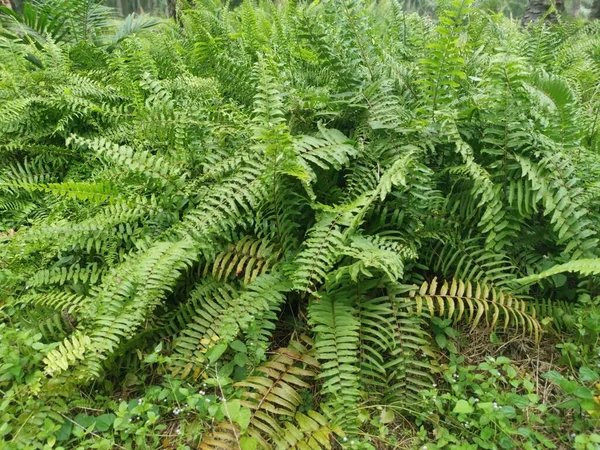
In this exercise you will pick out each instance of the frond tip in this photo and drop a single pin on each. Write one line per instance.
(583, 266)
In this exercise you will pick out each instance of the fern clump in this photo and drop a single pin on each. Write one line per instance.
(262, 226)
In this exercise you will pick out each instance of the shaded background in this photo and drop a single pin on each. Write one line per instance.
(123, 7)
(514, 8)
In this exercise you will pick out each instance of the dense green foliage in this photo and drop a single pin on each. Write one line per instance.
(273, 227)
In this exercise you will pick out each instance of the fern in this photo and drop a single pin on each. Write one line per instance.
(337, 339)
(180, 201)
(114, 313)
(442, 67)
(274, 394)
(585, 267)
(249, 258)
(460, 299)
(320, 253)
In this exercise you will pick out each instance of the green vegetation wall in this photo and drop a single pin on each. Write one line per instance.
(264, 227)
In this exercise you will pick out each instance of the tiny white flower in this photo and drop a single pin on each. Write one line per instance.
(345, 439)
(434, 385)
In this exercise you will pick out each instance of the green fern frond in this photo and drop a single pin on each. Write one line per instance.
(199, 319)
(68, 352)
(443, 67)
(143, 163)
(334, 321)
(570, 218)
(120, 305)
(133, 24)
(321, 251)
(76, 273)
(554, 93)
(92, 192)
(329, 149)
(584, 267)
(223, 204)
(410, 360)
(370, 255)
(260, 299)
(466, 259)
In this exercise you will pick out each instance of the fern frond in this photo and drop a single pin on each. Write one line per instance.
(199, 319)
(570, 218)
(133, 24)
(67, 353)
(553, 92)
(275, 394)
(92, 192)
(321, 251)
(76, 273)
(329, 149)
(459, 300)
(222, 205)
(121, 304)
(143, 162)
(248, 258)
(466, 259)
(260, 299)
(409, 358)
(584, 267)
(334, 320)
(370, 255)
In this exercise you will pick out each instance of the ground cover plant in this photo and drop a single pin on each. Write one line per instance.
(305, 225)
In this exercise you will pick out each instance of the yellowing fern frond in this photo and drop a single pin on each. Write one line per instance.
(472, 302)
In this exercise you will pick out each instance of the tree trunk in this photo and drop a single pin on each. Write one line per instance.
(595, 11)
(536, 9)
(575, 7)
(172, 9)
